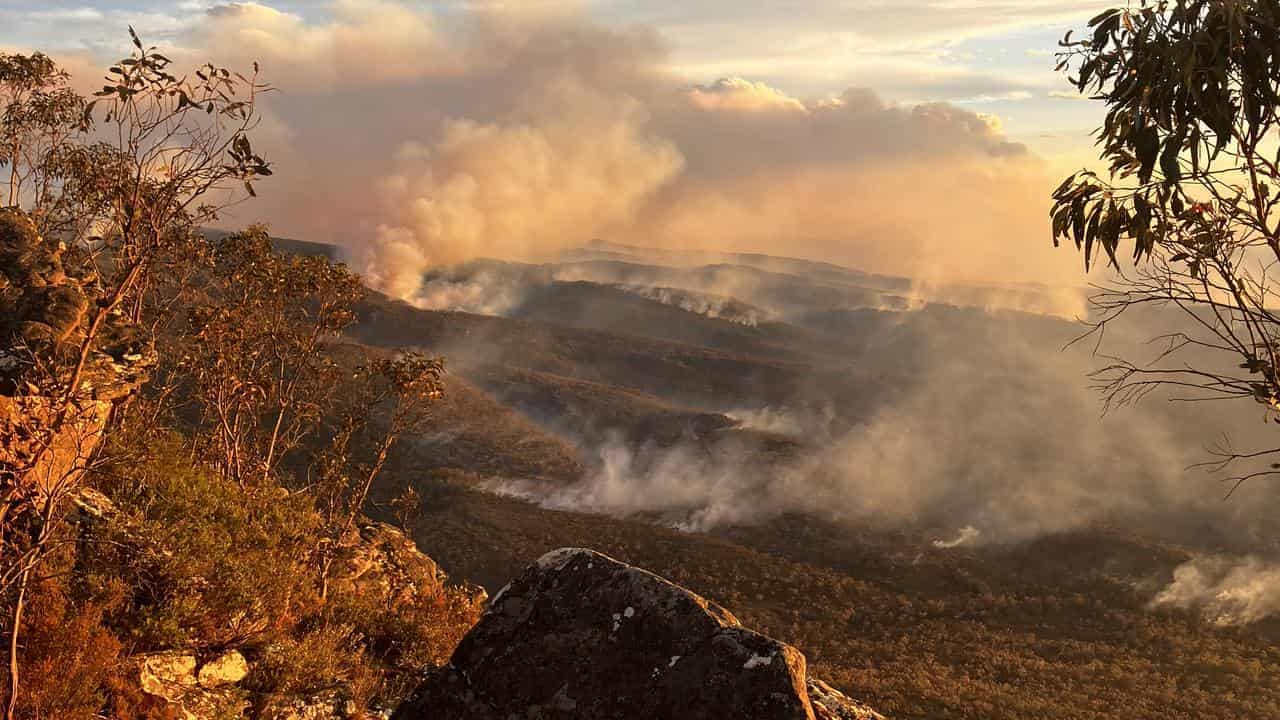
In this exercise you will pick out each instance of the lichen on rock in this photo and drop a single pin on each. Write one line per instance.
(581, 635)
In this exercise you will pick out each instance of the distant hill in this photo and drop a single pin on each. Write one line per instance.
(287, 245)
(588, 409)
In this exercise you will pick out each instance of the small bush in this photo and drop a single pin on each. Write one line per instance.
(209, 565)
(204, 565)
(67, 652)
(311, 661)
(413, 635)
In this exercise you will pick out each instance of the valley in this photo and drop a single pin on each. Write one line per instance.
(714, 453)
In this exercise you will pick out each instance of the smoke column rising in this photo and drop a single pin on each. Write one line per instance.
(515, 132)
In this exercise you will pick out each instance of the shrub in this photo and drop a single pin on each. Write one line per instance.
(400, 641)
(208, 565)
(67, 652)
(311, 661)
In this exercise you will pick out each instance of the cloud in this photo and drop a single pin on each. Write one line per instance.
(363, 42)
(930, 191)
(418, 137)
(933, 20)
(1009, 96)
(1066, 95)
(908, 49)
(61, 28)
(740, 95)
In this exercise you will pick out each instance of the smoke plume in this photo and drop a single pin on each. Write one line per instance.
(514, 132)
(987, 423)
(1227, 591)
(968, 534)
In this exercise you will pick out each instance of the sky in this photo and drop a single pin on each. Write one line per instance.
(919, 137)
(992, 56)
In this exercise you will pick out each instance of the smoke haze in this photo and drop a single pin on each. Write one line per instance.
(985, 422)
(517, 132)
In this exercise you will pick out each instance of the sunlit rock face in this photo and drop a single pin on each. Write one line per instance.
(581, 635)
(47, 291)
(39, 459)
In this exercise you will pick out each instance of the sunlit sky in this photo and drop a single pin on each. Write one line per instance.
(918, 137)
(991, 56)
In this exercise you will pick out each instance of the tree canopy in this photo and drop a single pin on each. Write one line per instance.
(1190, 137)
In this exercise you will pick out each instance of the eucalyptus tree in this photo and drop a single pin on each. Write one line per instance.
(1191, 143)
(41, 115)
(123, 179)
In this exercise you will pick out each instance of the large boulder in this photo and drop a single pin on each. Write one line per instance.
(581, 635)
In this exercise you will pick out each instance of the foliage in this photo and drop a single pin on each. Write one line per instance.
(185, 559)
(387, 399)
(253, 351)
(1191, 89)
(1192, 93)
(70, 655)
(422, 632)
(313, 661)
(159, 166)
(257, 438)
(209, 565)
(182, 143)
(41, 117)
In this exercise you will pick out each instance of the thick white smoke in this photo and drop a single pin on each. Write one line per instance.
(506, 189)
(992, 427)
(514, 131)
(1226, 590)
(967, 535)
(684, 487)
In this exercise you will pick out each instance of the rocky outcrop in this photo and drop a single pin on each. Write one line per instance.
(377, 561)
(831, 704)
(193, 694)
(328, 705)
(381, 560)
(226, 669)
(47, 291)
(37, 457)
(580, 635)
